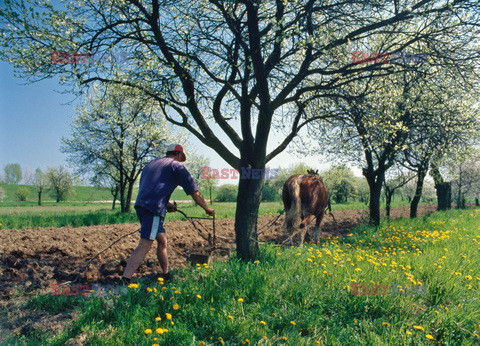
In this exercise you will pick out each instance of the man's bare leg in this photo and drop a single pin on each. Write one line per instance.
(162, 251)
(137, 257)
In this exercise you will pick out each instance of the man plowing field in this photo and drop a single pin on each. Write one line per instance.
(159, 179)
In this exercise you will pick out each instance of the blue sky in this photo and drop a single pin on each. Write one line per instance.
(34, 118)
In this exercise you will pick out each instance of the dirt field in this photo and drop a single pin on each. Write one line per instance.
(32, 259)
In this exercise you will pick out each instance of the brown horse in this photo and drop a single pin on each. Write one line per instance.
(304, 197)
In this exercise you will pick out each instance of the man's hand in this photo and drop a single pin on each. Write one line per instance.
(210, 212)
(171, 207)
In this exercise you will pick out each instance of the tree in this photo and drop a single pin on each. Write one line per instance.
(340, 183)
(13, 174)
(22, 193)
(60, 181)
(394, 180)
(40, 182)
(232, 67)
(464, 169)
(115, 133)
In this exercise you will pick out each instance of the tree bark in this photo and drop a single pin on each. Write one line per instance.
(443, 188)
(418, 192)
(40, 197)
(248, 202)
(388, 200)
(375, 181)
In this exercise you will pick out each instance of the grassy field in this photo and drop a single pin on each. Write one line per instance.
(77, 214)
(412, 282)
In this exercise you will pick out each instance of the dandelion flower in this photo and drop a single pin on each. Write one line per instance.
(158, 319)
(428, 336)
(230, 317)
(175, 306)
(133, 286)
(165, 330)
(284, 338)
(419, 328)
(149, 289)
(408, 332)
(168, 316)
(199, 296)
(159, 331)
(160, 279)
(155, 345)
(177, 292)
(386, 324)
(240, 300)
(263, 323)
(253, 262)
(148, 331)
(293, 322)
(213, 309)
(201, 343)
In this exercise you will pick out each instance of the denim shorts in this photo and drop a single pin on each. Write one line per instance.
(151, 224)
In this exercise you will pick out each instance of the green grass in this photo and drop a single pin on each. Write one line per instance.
(300, 296)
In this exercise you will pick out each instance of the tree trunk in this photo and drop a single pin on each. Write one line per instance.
(40, 197)
(115, 195)
(418, 192)
(444, 196)
(444, 189)
(211, 200)
(375, 181)
(388, 200)
(128, 200)
(248, 201)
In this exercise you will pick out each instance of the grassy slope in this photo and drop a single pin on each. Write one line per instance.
(302, 296)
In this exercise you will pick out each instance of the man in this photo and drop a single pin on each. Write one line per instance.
(158, 180)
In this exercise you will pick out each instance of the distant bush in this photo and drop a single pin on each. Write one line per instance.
(227, 193)
(2, 194)
(22, 193)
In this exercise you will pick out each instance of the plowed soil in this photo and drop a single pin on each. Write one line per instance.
(32, 259)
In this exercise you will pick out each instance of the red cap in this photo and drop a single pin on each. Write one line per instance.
(179, 148)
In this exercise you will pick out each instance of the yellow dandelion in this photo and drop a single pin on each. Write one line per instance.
(158, 319)
(284, 338)
(358, 270)
(175, 306)
(174, 288)
(408, 332)
(155, 345)
(213, 309)
(171, 322)
(201, 343)
(240, 300)
(155, 290)
(386, 324)
(148, 331)
(428, 336)
(133, 286)
(177, 292)
(263, 323)
(165, 330)
(160, 279)
(149, 289)
(293, 322)
(199, 296)
(256, 262)
(159, 331)
(169, 316)
(419, 328)
(230, 317)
